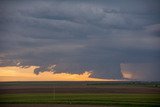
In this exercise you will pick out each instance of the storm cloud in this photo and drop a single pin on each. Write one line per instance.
(80, 35)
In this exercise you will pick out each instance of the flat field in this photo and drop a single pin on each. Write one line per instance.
(47, 94)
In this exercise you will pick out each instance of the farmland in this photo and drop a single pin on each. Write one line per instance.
(119, 94)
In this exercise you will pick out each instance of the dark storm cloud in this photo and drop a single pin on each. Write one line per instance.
(81, 35)
(142, 71)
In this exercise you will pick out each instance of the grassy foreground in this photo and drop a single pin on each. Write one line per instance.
(135, 100)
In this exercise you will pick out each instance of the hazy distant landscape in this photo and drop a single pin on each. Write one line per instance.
(136, 94)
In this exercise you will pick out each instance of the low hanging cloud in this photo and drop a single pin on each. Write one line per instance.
(43, 69)
(79, 36)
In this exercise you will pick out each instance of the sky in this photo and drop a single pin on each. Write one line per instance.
(94, 39)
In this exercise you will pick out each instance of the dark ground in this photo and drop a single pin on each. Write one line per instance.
(78, 89)
(50, 105)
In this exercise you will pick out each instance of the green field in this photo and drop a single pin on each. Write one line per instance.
(116, 94)
(135, 100)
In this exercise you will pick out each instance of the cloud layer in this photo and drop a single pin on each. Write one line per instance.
(81, 35)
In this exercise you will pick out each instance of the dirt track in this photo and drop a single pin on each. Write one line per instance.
(77, 89)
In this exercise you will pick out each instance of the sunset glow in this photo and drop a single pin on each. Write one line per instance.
(13, 73)
(127, 75)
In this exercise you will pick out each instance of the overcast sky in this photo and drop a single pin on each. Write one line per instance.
(82, 35)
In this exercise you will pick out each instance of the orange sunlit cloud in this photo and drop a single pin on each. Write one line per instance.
(13, 73)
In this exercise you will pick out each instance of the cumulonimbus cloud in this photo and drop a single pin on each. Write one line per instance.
(79, 36)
